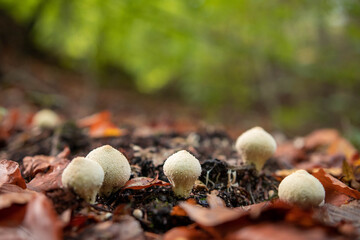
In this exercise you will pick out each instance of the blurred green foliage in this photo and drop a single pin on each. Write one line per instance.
(296, 62)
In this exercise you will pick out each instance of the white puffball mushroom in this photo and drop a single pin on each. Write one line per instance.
(46, 118)
(182, 169)
(302, 189)
(84, 177)
(256, 146)
(138, 213)
(115, 165)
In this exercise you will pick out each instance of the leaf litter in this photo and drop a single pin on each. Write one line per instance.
(230, 201)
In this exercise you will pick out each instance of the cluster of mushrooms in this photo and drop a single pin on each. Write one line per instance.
(105, 170)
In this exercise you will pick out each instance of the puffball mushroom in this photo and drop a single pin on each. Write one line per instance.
(46, 118)
(302, 189)
(84, 177)
(256, 146)
(115, 165)
(182, 169)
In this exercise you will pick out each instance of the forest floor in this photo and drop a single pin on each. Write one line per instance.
(231, 200)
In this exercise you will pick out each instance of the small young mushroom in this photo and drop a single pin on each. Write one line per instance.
(302, 189)
(46, 118)
(182, 169)
(84, 177)
(116, 168)
(256, 146)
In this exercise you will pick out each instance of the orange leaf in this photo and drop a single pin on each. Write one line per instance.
(178, 211)
(100, 125)
(189, 233)
(337, 193)
(343, 146)
(94, 119)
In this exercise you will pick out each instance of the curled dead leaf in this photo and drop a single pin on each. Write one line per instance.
(43, 164)
(144, 182)
(337, 193)
(10, 173)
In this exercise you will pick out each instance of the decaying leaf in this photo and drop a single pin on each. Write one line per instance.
(219, 215)
(43, 164)
(348, 212)
(128, 229)
(10, 173)
(178, 211)
(337, 193)
(144, 182)
(46, 171)
(281, 230)
(321, 137)
(100, 125)
(188, 232)
(30, 217)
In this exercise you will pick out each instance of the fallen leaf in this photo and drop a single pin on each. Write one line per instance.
(280, 230)
(94, 119)
(42, 164)
(348, 212)
(32, 218)
(48, 181)
(337, 193)
(144, 182)
(10, 173)
(178, 211)
(342, 146)
(219, 215)
(100, 125)
(188, 232)
(286, 172)
(321, 137)
(128, 229)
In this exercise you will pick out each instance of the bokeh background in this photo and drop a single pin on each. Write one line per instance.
(292, 66)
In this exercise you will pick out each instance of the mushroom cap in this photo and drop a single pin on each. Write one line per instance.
(182, 169)
(84, 177)
(115, 165)
(302, 189)
(46, 118)
(256, 146)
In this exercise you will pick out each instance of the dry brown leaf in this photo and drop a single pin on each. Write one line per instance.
(337, 193)
(219, 215)
(49, 181)
(42, 164)
(32, 218)
(214, 201)
(279, 231)
(342, 146)
(144, 182)
(348, 212)
(321, 137)
(188, 232)
(289, 154)
(46, 170)
(10, 173)
(286, 172)
(128, 229)
(178, 211)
